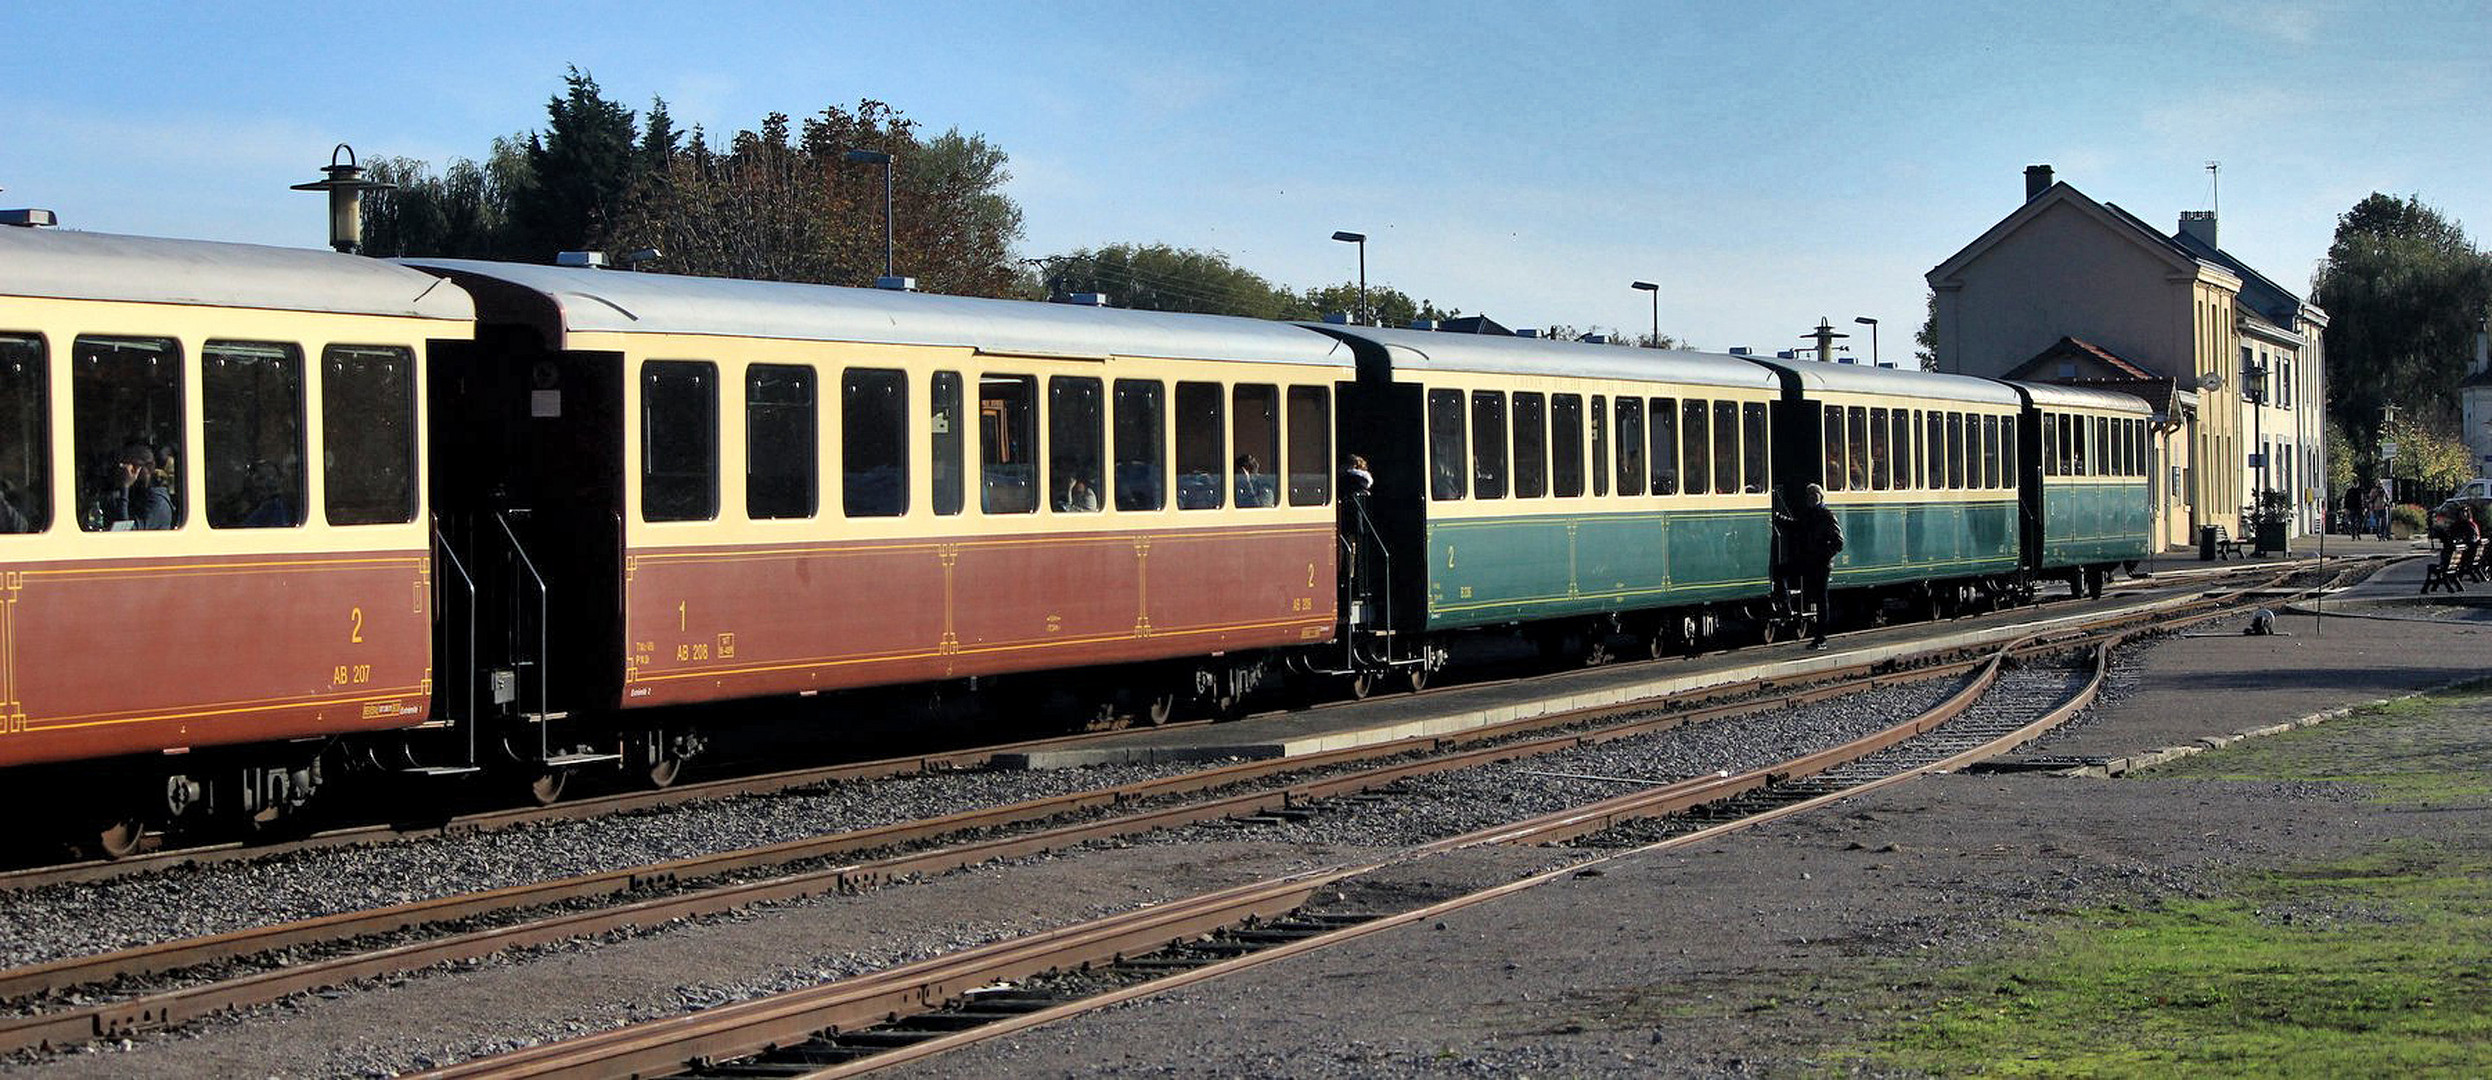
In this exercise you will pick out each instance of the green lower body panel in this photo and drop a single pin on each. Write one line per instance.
(1894, 543)
(1512, 569)
(2095, 523)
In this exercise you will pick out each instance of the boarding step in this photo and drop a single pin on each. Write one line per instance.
(564, 761)
(440, 770)
(544, 717)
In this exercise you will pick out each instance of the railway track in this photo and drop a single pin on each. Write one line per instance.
(403, 937)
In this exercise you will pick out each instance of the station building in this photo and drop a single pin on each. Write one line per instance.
(2066, 289)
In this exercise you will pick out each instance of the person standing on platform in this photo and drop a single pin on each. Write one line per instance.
(1817, 539)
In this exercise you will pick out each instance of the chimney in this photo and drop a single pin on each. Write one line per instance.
(2199, 224)
(2037, 181)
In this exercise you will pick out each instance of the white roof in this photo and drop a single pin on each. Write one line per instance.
(152, 270)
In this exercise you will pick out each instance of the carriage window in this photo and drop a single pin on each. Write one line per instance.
(1531, 445)
(1446, 472)
(2077, 456)
(2050, 445)
(1600, 445)
(1630, 446)
(127, 393)
(1899, 437)
(678, 440)
(251, 409)
(1955, 451)
(1488, 444)
(367, 433)
(779, 442)
(1934, 450)
(1726, 447)
(1310, 446)
(1755, 462)
(2137, 447)
(2102, 440)
(944, 435)
(1202, 464)
(2007, 451)
(1008, 444)
(874, 442)
(1880, 454)
(1856, 450)
(1693, 443)
(1074, 423)
(1990, 451)
(1141, 444)
(1255, 432)
(1665, 445)
(25, 435)
(1834, 448)
(1566, 445)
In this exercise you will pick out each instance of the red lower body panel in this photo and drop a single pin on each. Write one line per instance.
(110, 657)
(706, 624)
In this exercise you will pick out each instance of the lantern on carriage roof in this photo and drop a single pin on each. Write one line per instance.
(345, 186)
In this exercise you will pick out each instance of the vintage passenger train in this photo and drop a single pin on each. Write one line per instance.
(281, 515)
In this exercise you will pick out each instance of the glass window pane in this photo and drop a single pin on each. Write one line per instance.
(1725, 447)
(1076, 419)
(25, 435)
(1694, 439)
(1835, 473)
(1879, 454)
(1990, 451)
(2102, 445)
(678, 440)
(2007, 451)
(1856, 449)
(1955, 451)
(1665, 445)
(1255, 431)
(1008, 444)
(944, 429)
(1900, 436)
(367, 433)
(1202, 447)
(1631, 446)
(1448, 478)
(1531, 444)
(1141, 444)
(1600, 445)
(1754, 445)
(1310, 446)
(1934, 449)
(1566, 445)
(780, 442)
(251, 406)
(874, 442)
(127, 397)
(1488, 444)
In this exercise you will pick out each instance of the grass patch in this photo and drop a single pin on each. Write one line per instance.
(2427, 751)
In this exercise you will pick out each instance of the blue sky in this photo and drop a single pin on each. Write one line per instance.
(1767, 164)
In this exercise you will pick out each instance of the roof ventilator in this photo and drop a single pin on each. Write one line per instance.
(29, 219)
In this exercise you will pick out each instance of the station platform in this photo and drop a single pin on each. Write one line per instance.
(1459, 708)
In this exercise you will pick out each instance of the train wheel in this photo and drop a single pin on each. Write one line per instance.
(546, 785)
(1596, 651)
(1417, 679)
(119, 838)
(1769, 630)
(662, 773)
(1359, 687)
(2094, 583)
(1158, 707)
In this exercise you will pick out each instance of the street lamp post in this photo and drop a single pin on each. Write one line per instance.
(1654, 289)
(876, 157)
(1365, 316)
(2254, 388)
(1872, 324)
(345, 187)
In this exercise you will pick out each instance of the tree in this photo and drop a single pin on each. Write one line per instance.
(578, 170)
(1387, 306)
(2404, 291)
(1925, 340)
(1157, 277)
(2429, 451)
(463, 213)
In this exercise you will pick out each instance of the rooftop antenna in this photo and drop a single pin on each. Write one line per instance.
(2215, 189)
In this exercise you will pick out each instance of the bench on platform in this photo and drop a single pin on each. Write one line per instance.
(2456, 565)
(2227, 546)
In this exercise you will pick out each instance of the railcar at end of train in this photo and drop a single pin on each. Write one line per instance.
(1579, 494)
(2087, 507)
(1921, 470)
(735, 489)
(214, 549)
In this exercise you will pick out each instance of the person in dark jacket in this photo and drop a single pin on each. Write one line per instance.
(131, 494)
(1816, 539)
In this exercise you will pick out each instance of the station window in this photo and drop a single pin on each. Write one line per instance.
(1447, 472)
(1631, 446)
(781, 443)
(874, 442)
(127, 394)
(251, 421)
(1255, 434)
(1202, 430)
(1693, 444)
(1990, 451)
(1076, 422)
(1665, 445)
(1566, 445)
(1531, 445)
(1141, 418)
(943, 430)
(1310, 446)
(1488, 444)
(1899, 437)
(1600, 445)
(678, 440)
(1755, 460)
(1726, 447)
(1008, 444)
(1955, 451)
(367, 433)
(25, 435)
(1834, 473)
(1881, 452)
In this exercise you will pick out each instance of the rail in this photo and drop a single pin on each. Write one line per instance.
(543, 658)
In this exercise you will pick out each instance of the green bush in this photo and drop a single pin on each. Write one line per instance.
(2407, 520)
